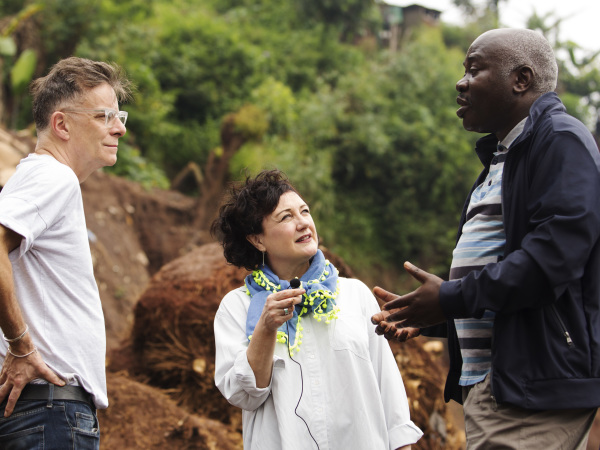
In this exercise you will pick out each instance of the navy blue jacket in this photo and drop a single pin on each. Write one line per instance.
(546, 288)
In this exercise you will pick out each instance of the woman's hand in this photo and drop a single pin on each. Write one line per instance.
(262, 345)
(277, 304)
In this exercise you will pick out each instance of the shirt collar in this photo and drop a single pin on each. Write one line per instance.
(513, 134)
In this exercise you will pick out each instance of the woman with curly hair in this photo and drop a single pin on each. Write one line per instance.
(294, 347)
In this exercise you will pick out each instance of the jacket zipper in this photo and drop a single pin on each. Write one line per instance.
(562, 325)
(494, 402)
(493, 342)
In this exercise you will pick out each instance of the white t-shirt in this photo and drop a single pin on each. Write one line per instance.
(352, 391)
(53, 272)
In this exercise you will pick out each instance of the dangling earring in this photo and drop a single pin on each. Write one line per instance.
(263, 259)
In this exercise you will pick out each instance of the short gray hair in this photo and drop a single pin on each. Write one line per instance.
(521, 47)
(70, 78)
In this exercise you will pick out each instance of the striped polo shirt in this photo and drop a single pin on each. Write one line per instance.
(482, 242)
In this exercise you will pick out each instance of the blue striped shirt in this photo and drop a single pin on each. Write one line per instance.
(482, 242)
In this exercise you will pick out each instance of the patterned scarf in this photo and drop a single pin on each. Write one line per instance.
(320, 283)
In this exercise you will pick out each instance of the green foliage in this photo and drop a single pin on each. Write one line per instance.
(22, 71)
(577, 108)
(402, 161)
(484, 12)
(345, 15)
(205, 61)
(17, 64)
(370, 139)
(300, 145)
(7, 46)
(578, 74)
(20, 15)
(192, 68)
(137, 168)
(251, 122)
(10, 7)
(461, 37)
(63, 24)
(278, 102)
(380, 156)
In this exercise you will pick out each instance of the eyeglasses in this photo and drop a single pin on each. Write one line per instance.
(109, 114)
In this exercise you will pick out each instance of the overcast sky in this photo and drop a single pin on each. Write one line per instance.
(580, 17)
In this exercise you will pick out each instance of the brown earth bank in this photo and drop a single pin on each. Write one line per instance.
(161, 280)
(172, 346)
(144, 417)
(159, 314)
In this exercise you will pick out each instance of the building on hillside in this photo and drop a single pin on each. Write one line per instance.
(399, 17)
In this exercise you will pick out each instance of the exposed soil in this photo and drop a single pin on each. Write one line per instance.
(161, 280)
(144, 417)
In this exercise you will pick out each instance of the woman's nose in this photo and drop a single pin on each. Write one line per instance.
(302, 222)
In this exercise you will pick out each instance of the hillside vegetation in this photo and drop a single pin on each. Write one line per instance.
(228, 87)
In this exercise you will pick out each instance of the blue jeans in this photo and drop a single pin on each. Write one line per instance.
(50, 425)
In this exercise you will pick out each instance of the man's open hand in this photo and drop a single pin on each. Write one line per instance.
(418, 309)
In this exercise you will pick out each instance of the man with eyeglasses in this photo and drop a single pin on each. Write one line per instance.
(53, 348)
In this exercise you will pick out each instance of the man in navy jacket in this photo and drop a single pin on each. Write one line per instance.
(522, 314)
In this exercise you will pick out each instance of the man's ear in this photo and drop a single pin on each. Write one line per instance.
(524, 79)
(59, 125)
(256, 240)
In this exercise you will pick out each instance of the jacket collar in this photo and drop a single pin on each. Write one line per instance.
(547, 103)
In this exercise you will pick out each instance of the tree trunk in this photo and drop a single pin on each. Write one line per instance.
(216, 173)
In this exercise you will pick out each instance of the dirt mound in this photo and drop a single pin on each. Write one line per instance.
(143, 417)
(120, 262)
(172, 343)
(161, 348)
(172, 346)
(133, 233)
(423, 368)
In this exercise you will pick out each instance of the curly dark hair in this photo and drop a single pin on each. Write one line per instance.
(243, 212)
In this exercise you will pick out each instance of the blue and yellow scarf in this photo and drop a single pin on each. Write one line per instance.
(320, 283)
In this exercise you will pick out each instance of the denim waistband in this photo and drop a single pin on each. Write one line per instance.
(50, 392)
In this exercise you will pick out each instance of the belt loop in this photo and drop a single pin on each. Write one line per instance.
(50, 395)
